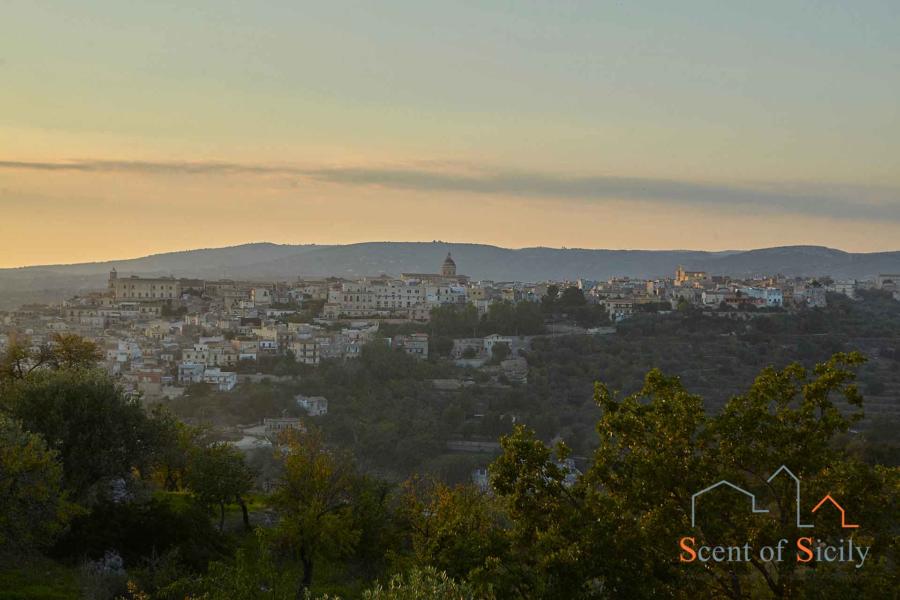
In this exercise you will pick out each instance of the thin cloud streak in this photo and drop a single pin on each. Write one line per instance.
(843, 201)
(150, 167)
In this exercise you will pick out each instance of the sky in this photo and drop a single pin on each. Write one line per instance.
(129, 128)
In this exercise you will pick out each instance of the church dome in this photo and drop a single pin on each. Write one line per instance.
(448, 269)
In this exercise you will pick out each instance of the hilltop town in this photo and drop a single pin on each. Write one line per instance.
(162, 334)
(168, 338)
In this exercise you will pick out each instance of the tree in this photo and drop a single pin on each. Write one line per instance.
(615, 531)
(16, 362)
(254, 573)
(506, 318)
(98, 432)
(175, 442)
(454, 320)
(499, 352)
(548, 301)
(457, 530)
(314, 499)
(217, 476)
(658, 447)
(66, 351)
(552, 535)
(572, 297)
(71, 351)
(382, 363)
(34, 507)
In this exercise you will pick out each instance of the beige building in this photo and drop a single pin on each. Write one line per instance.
(142, 289)
(619, 308)
(689, 278)
(447, 275)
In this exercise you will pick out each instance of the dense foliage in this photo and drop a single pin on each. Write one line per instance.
(588, 496)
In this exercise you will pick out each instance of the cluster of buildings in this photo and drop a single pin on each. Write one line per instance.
(622, 296)
(412, 296)
(160, 335)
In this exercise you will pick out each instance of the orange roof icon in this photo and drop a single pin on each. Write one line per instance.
(844, 523)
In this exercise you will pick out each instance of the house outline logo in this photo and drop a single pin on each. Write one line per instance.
(797, 486)
(840, 508)
(714, 486)
(756, 510)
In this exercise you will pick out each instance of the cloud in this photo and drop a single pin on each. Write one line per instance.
(856, 202)
(151, 167)
(841, 201)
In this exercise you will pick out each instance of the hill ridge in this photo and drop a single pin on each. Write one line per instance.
(268, 260)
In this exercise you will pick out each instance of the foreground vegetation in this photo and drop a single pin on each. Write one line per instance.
(106, 499)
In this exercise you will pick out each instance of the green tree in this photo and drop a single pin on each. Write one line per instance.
(99, 433)
(66, 351)
(615, 531)
(506, 318)
(552, 535)
(458, 530)
(34, 506)
(71, 351)
(454, 320)
(315, 501)
(500, 352)
(14, 360)
(572, 297)
(217, 475)
(549, 300)
(255, 573)
(175, 443)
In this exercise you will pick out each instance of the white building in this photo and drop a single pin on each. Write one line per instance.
(224, 381)
(314, 406)
(813, 295)
(261, 296)
(714, 297)
(847, 288)
(189, 373)
(273, 427)
(492, 340)
(771, 296)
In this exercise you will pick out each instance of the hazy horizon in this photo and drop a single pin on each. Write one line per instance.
(448, 243)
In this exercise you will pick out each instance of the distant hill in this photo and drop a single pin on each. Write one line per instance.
(267, 261)
(804, 260)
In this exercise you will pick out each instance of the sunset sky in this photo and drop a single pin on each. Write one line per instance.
(128, 128)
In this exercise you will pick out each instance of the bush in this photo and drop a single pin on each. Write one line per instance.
(422, 584)
(139, 531)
